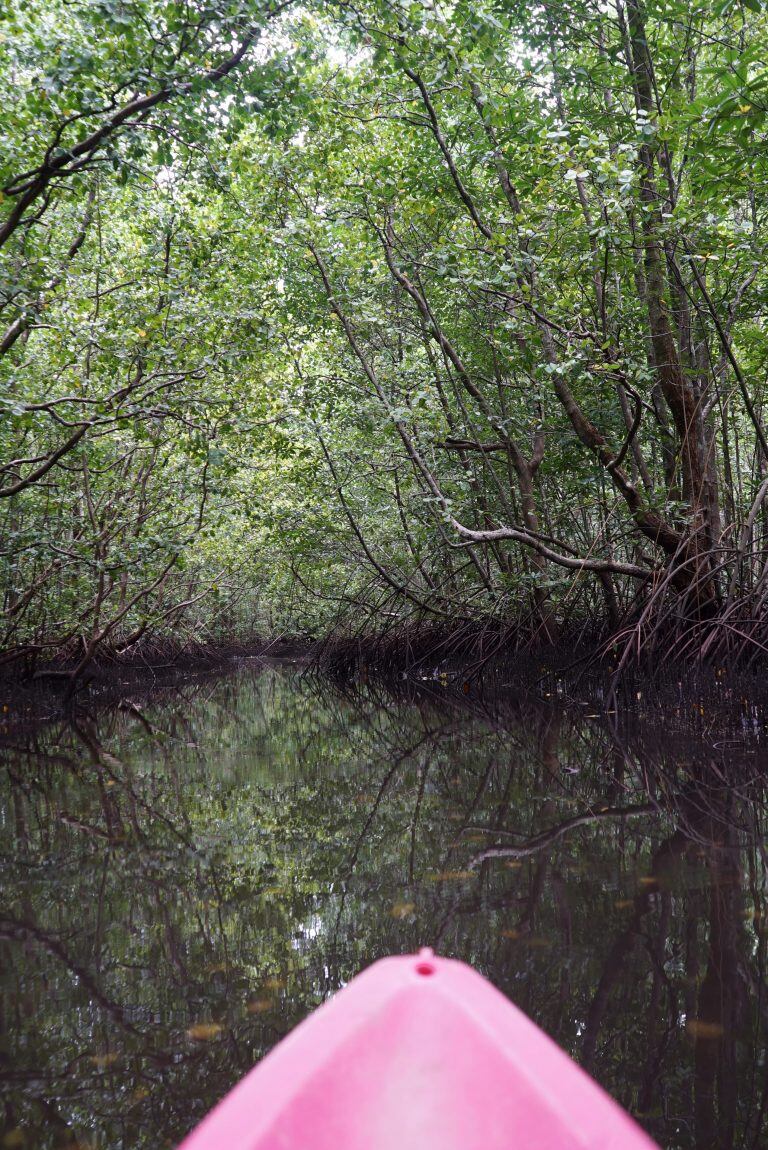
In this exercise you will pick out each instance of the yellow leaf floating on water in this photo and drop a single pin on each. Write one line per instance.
(204, 1031)
(259, 1005)
(699, 1028)
(402, 909)
(103, 1061)
(647, 880)
(452, 875)
(624, 903)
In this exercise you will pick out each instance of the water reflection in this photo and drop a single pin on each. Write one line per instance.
(183, 880)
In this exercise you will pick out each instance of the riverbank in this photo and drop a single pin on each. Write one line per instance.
(699, 701)
(31, 697)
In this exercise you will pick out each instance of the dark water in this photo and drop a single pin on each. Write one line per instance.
(184, 879)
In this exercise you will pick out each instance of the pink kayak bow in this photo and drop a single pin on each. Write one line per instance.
(417, 1053)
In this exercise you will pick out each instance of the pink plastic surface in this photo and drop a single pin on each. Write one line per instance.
(417, 1053)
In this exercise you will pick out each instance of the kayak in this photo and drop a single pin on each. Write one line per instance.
(417, 1053)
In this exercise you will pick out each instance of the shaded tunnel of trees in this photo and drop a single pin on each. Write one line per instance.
(331, 317)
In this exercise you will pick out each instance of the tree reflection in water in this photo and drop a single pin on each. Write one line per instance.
(185, 878)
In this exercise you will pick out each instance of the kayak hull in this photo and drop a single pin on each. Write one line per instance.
(417, 1053)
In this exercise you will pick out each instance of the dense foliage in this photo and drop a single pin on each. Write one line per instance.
(346, 315)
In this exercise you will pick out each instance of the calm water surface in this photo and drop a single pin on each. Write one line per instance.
(184, 879)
